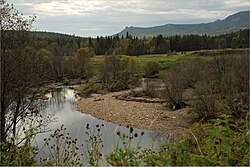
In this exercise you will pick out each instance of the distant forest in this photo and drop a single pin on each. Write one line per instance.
(67, 45)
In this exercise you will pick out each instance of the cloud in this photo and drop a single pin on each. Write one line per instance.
(106, 17)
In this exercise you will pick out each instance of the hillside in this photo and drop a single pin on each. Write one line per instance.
(233, 22)
(54, 35)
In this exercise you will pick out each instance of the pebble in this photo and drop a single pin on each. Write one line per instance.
(150, 116)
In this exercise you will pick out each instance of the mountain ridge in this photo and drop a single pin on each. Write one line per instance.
(234, 22)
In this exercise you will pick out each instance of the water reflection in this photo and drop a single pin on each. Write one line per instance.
(61, 104)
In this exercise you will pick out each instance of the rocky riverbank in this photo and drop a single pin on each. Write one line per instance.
(150, 116)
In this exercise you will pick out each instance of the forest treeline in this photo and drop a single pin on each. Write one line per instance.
(66, 45)
(69, 55)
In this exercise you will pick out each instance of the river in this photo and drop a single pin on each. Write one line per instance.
(60, 103)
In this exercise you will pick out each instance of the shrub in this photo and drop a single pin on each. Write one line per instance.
(204, 103)
(119, 72)
(173, 97)
(152, 69)
(12, 155)
(222, 141)
(218, 82)
(231, 80)
(148, 90)
(173, 89)
(181, 77)
(87, 89)
(237, 106)
(23, 154)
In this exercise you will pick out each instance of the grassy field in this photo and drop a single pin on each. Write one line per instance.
(165, 60)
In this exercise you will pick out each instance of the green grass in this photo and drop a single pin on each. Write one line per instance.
(165, 60)
(97, 62)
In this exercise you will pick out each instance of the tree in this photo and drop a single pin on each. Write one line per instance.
(160, 45)
(56, 60)
(44, 57)
(83, 66)
(119, 72)
(22, 72)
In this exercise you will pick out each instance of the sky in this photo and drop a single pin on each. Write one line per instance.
(91, 18)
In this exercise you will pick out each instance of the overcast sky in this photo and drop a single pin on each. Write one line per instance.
(107, 17)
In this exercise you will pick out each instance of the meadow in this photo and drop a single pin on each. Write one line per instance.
(165, 61)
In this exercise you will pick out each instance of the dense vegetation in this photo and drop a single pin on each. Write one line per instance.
(220, 99)
(128, 45)
(61, 52)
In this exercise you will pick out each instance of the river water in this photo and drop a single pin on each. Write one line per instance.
(61, 105)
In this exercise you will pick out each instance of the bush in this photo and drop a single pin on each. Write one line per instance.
(222, 141)
(181, 77)
(232, 78)
(17, 156)
(231, 81)
(237, 106)
(148, 90)
(173, 97)
(119, 73)
(204, 103)
(77, 66)
(218, 82)
(87, 89)
(173, 89)
(152, 69)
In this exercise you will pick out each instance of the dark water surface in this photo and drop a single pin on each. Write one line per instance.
(61, 104)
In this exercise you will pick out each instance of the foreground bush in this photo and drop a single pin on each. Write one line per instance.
(12, 155)
(222, 141)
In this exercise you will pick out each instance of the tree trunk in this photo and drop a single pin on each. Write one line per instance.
(2, 96)
(2, 124)
(15, 116)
